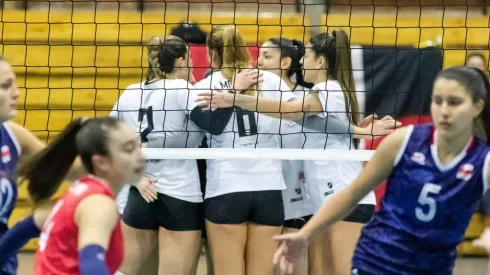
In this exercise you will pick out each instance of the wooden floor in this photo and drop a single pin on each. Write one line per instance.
(464, 266)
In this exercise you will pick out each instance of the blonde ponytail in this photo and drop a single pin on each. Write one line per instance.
(232, 51)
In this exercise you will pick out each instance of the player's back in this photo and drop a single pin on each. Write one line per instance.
(159, 112)
(426, 208)
(246, 129)
(58, 245)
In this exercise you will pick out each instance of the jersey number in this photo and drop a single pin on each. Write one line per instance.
(247, 126)
(149, 116)
(425, 199)
(6, 196)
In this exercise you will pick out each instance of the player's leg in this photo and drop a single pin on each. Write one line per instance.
(319, 256)
(293, 226)
(203, 251)
(226, 228)
(178, 250)
(209, 260)
(344, 236)
(181, 223)
(150, 266)
(139, 244)
(265, 221)
(140, 232)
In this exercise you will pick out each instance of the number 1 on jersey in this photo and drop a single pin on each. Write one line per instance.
(425, 199)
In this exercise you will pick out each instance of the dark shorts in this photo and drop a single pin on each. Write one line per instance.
(297, 223)
(362, 214)
(167, 212)
(260, 207)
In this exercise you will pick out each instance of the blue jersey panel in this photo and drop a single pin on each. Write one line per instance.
(425, 210)
(9, 155)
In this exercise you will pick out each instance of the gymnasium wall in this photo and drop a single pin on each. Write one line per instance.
(76, 64)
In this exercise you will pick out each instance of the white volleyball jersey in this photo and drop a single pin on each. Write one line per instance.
(159, 111)
(122, 198)
(246, 130)
(296, 202)
(326, 178)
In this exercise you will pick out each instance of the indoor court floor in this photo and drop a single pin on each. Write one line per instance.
(464, 266)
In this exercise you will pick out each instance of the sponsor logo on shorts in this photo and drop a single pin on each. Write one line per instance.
(297, 199)
(329, 192)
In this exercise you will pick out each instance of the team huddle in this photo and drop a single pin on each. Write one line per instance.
(125, 216)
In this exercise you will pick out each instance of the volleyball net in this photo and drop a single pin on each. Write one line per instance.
(75, 58)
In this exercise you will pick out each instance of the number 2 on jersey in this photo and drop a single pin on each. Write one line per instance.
(425, 199)
(148, 112)
(6, 196)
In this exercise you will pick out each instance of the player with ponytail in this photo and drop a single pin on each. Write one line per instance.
(82, 235)
(437, 173)
(327, 64)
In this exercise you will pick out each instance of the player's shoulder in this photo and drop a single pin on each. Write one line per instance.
(397, 140)
(272, 81)
(89, 184)
(131, 91)
(204, 83)
(176, 84)
(269, 75)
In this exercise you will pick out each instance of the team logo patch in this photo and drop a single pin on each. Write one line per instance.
(465, 172)
(418, 158)
(6, 154)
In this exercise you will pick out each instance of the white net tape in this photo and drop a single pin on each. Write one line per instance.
(258, 154)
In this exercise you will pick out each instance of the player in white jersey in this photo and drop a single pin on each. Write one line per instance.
(243, 201)
(327, 64)
(158, 109)
(281, 56)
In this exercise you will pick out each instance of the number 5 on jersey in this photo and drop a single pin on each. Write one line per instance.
(426, 199)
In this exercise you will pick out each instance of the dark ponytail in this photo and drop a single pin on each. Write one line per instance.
(484, 117)
(296, 69)
(47, 169)
(476, 83)
(335, 48)
(295, 50)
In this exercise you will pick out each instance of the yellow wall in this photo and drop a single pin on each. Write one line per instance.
(72, 65)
